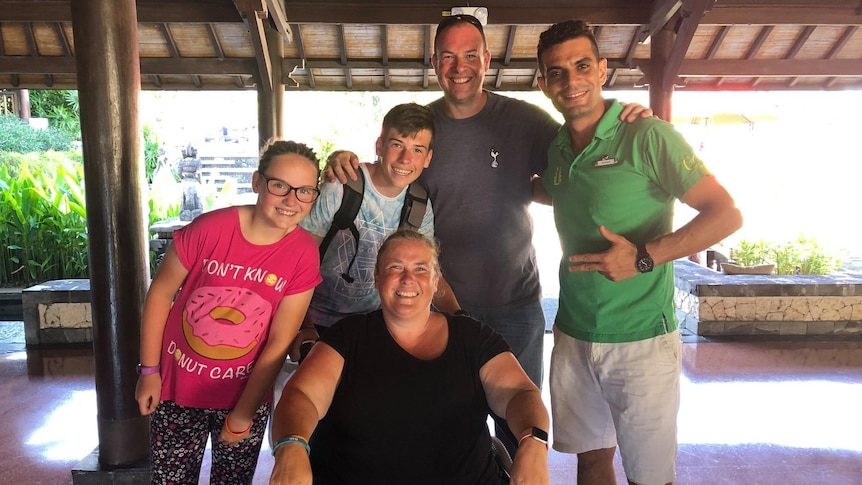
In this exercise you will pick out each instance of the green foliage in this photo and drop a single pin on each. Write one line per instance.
(151, 153)
(804, 253)
(44, 235)
(60, 107)
(17, 136)
(323, 147)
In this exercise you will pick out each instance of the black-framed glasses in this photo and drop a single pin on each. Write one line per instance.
(280, 188)
(457, 19)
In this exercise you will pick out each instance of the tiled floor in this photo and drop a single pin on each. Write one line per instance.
(753, 412)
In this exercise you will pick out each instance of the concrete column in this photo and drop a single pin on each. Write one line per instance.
(109, 79)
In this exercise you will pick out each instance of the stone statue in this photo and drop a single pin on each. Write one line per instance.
(190, 179)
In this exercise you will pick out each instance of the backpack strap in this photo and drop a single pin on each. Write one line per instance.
(415, 205)
(344, 219)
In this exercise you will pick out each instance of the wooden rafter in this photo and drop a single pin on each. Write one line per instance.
(507, 56)
(31, 39)
(661, 13)
(279, 18)
(169, 40)
(300, 47)
(716, 41)
(690, 15)
(384, 55)
(214, 41)
(836, 48)
(630, 52)
(61, 38)
(253, 11)
(770, 67)
(800, 41)
(426, 54)
(342, 49)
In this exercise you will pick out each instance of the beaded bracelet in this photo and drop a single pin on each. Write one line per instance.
(230, 432)
(294, 438)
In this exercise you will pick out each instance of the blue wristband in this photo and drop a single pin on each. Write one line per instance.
(292, 439)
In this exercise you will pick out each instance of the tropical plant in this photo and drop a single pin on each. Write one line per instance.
(45, 230)
(60, 107)
(804, 255)
(151, 152)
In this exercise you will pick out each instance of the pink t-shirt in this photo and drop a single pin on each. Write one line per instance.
(220, 321)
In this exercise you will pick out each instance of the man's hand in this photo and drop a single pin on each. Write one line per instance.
(633, 111)
(617, 263)
(341, 164)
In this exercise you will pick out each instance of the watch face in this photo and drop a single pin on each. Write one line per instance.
(541, 434)
(645, 264)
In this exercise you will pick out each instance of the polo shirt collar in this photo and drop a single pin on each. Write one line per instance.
(607, 128)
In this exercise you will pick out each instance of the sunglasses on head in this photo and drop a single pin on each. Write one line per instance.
(457, 19)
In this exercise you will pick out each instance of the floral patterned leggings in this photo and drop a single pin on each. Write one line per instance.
(178, 438)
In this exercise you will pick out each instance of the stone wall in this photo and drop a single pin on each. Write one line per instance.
(714, 304)
(57, 312)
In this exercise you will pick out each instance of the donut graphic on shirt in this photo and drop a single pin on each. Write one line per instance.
(225, 323)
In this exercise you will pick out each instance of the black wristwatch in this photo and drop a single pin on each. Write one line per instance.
(537, 434)
(643, 261)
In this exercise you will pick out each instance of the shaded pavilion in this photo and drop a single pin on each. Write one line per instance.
(111, 49)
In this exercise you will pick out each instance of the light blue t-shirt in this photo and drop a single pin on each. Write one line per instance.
(378, 216)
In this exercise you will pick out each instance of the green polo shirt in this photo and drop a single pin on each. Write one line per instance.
(626, 179)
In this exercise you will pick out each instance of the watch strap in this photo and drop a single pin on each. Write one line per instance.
(145, 370)
(537, 434)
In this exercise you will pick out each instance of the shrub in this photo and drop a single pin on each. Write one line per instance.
(801, 256)
(17, 136)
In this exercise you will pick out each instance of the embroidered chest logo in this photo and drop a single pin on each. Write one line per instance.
(494, 155)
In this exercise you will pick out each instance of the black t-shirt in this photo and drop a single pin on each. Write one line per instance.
(396, 419)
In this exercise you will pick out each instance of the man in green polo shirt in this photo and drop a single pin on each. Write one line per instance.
(615, 366)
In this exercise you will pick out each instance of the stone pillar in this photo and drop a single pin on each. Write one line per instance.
(109, 79)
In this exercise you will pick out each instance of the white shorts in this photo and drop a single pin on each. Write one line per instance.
(626, 394)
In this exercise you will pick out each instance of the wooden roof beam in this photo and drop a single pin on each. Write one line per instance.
(770, 67)
(169, 40)
(342, 50)
(384, 55)
(797, 46)
(279, 18)
(507, 56)
(148, 12)
(661, 13)
(690, 16)
(426, 61)
(300, 47)
(215, 42)
(358, 12)
(61, 38)
(254, 11)
(32, 49)
(778, 14)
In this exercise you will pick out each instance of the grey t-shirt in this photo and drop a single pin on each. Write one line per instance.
(479, 180)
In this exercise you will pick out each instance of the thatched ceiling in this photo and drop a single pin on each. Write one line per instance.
(386, 45)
